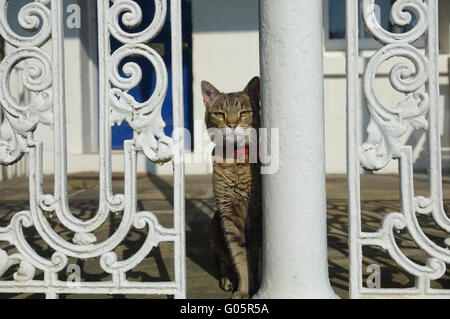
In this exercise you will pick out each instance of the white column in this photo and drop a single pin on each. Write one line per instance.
(294, 201)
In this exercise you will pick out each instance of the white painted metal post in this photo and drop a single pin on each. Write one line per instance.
(294, 201)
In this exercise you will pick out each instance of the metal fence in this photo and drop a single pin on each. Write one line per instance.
(417, 77)
(18, 169)
(44, 77)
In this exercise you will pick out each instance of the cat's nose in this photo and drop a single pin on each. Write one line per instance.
(232, 125)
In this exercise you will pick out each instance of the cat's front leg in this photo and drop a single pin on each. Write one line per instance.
(234, 232)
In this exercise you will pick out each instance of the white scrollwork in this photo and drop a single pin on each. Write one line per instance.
(12, 145)
(145, 118)
(434, 268)
(156, 234)
(27, 259)
(398, 16)
(43, 76)
(386, 124)
(32, 16)
(423, 205)
(19, 120)
(26, 271)
(418, 80)
(132, 17)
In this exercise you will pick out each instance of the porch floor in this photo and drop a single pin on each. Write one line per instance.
(379, 196)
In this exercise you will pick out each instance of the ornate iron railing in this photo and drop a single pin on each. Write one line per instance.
(44, 77)
(418, 79)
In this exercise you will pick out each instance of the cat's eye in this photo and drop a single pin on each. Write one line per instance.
(245, 114)
(219, 115)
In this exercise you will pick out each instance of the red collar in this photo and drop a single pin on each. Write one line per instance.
(237, 153)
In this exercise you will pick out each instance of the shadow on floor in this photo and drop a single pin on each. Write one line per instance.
(202, 280)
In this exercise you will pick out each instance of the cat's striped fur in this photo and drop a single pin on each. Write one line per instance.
(236, 226)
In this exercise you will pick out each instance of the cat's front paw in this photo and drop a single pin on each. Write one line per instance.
(240, 295)
(226, 284)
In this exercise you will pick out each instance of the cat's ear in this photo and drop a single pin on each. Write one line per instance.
(209, 92)
(253, 90)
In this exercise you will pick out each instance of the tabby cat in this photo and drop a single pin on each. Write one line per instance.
(236, 226)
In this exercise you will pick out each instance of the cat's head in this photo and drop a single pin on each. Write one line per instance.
(232, 113)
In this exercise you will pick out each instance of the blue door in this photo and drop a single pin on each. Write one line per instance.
(162, 44)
